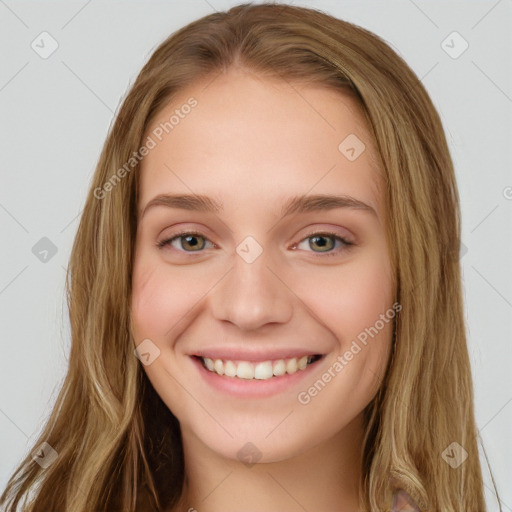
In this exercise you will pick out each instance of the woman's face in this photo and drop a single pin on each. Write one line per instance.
(272, 273)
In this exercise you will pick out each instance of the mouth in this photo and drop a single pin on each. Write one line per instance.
(258, 370)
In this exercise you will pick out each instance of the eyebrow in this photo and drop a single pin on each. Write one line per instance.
(297, 204)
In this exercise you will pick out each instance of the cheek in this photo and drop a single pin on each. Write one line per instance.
(162, 296)
(354, 303)
(352, 306)
(350, 298)
(149, 301)
(154, 303)
(367, 296)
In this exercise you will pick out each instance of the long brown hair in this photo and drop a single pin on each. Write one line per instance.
(118, 446)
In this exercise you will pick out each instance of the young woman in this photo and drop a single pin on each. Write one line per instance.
(264, 290)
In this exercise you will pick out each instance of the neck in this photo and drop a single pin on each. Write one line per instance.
(325, 478)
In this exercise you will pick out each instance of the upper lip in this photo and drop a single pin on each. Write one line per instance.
(257, 354)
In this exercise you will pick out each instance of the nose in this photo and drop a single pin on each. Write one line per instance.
(253, 294)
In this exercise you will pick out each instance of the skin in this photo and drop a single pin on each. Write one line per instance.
(252, 143)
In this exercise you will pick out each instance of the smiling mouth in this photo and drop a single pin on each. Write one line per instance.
(263, 370)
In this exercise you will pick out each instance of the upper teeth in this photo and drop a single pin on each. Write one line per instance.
(262, 370)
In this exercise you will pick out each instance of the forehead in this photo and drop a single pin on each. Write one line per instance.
(251, 136)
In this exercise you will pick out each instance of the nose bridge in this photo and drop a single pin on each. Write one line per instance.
(252, 294)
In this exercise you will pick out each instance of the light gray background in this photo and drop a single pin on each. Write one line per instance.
(55, 114)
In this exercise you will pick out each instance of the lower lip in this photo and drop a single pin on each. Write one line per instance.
(254, 388)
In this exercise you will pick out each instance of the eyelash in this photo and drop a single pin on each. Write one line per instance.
(347, 245)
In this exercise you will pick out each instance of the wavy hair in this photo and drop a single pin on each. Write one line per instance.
(118, 445)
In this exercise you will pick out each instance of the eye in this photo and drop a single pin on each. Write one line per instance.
(187, 240)
(325, 242)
